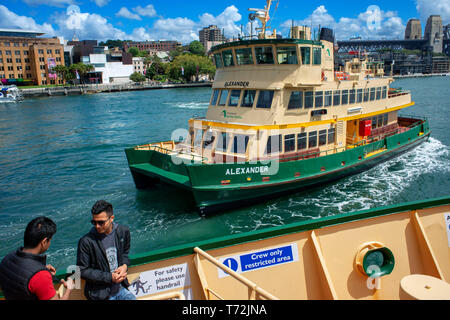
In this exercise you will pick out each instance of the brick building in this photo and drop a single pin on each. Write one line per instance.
(27, 59)
(152, 47)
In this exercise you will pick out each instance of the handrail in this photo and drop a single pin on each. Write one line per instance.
(236, 276)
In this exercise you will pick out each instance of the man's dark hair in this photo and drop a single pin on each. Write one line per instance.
(37, 230)
(101, 206)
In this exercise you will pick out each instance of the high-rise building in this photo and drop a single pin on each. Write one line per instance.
(434, 33)
(26, 58)
(211, 36)
(413, 30)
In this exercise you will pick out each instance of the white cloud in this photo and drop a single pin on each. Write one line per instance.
(368, 24)
(125, 13)
(426, 8)
(9, 19)
(101, 3)
(148, 11)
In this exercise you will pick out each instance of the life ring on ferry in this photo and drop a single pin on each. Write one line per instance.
(323, 75)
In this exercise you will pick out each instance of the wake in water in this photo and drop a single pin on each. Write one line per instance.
(376, 187)
(189, 105)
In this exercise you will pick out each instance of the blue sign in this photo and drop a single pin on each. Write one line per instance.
(266, 258)
(231, 263)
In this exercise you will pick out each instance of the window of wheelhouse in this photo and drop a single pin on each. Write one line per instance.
(265, 99)
(223, 98)
(234, 98)
(198, 137)
(306, 55)
(227, 56)
(309, 99)
(302, 142)
(317, 56)
(287, 55)
(384, 94)
(319, 99)
(248, 98)
(244, 56)
(215, 97)
(289, 142)
(328, 98)
(336, 97)
(322, 137)
(296, 100)
(264, 55)
(312, 139)
(218, 60)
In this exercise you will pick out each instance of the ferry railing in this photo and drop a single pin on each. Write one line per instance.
(253, 287)
(167, 296)
(193, 156)
(398, 93)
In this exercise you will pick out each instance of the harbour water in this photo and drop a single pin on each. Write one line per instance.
(58, 155)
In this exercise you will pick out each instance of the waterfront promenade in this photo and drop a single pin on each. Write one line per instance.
(111, 87)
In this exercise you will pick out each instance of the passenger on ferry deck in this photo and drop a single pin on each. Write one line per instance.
(102, 256)
(24, 274)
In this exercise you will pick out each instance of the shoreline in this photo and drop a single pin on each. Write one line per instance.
(421, 75)
(100, 88)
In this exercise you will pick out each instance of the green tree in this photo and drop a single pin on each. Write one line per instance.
(137, 77)
(134, 51)
(189, 67)
(196, 47)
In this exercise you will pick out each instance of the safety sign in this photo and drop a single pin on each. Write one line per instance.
(260, 259)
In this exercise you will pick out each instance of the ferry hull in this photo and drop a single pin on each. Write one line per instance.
(220, 187)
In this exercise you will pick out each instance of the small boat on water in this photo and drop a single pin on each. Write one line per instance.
(389, 253)
(10, 94)
(281, 119)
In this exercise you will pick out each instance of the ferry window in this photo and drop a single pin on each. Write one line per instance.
(306, 55)
(352, 96)
(327, 98)
(296, 100)
(331, 135)
(287, 55)
(309, 99)
(366, 94)
(359, 96)
(244, 56)
(215, 97)
(374, 123)
(218, 60)
(384, 93)
(208, 139)
(198, 137)
(264, 55)
(248, 98)
(240, 143)
(322, 137)
(337, 98)
(380, 121)
(234, 98)
(273, 144)
(344, 96)
(319, 99)
(312, 139)
(301, 141)
(372, 94)
(223, 98)
(378, 93)
(228, 58)
(265, 99)
(385, 119)
(317, 56)
(222, 143)
(289, 142)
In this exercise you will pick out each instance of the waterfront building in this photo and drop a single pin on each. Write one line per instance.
(152, 47)
(138, 65)
(27, 59)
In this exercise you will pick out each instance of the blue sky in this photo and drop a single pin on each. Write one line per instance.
(181, 20)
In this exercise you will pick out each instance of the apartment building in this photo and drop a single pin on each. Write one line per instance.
(25, 58)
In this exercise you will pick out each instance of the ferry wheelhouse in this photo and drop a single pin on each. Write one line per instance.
(281, 119)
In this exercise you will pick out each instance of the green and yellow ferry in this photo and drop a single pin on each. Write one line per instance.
(281, 119)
